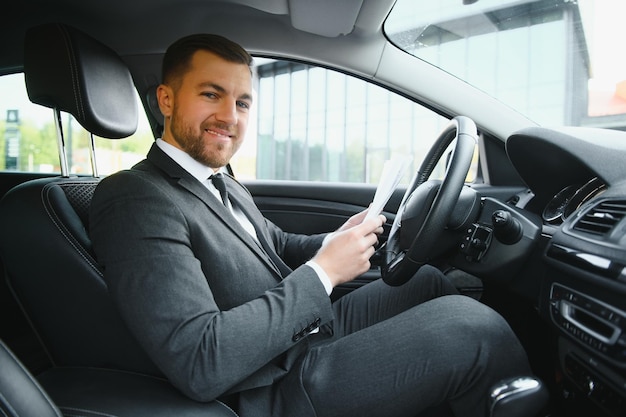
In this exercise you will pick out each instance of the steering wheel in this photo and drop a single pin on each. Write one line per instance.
(427, 206)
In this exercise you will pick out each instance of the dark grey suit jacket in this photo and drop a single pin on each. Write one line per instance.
(195, 289)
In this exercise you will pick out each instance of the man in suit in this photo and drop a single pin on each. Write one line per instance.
(229, 306)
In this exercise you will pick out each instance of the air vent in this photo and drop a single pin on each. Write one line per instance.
(601, 218)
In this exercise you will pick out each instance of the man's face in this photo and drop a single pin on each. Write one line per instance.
(206, 115)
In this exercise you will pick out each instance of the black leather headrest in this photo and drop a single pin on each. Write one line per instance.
(69, 70)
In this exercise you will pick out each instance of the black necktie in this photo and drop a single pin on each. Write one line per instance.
(220, 184)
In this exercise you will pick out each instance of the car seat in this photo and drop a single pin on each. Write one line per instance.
(45, 247)
(49, 263)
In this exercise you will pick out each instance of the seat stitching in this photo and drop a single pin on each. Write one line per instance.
(53, 217)
(74, 71)
(83, 411)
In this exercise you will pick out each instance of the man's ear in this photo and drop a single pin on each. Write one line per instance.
(165, 99)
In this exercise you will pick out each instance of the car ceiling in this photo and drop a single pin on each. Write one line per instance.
(346, 33)
(109, 20)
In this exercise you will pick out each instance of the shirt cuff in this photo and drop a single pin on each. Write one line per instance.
(322, 275)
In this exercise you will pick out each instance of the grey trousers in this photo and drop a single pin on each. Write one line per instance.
(397, 351)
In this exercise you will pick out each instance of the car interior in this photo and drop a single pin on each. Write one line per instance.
(538, 234)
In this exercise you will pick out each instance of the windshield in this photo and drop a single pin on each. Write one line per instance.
(559, 62)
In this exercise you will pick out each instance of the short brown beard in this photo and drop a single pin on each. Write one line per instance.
(192, 143)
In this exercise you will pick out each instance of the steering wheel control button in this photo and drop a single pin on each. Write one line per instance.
(475, 242)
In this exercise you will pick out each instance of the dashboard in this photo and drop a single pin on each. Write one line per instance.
(578, 178)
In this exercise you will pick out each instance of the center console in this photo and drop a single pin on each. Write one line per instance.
(599, 326)
(584, 298)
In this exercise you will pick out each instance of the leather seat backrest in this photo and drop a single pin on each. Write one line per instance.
(45, 245)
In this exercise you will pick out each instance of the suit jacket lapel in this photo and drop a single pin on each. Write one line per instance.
(194, 187)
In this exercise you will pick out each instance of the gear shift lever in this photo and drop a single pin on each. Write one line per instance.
(518, 397)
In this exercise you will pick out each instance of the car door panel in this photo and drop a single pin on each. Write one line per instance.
(315, 207)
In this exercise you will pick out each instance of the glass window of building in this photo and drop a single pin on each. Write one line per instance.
(557, 62)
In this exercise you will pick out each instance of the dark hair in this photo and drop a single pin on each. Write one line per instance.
(178, 55)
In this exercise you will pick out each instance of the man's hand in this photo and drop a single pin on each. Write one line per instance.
(346, 254)
(356, 220)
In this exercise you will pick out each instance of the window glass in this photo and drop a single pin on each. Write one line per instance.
(28, 137)
(308, 124)
(316, 124)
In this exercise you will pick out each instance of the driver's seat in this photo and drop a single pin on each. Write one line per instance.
(50, 266)
(45, 247)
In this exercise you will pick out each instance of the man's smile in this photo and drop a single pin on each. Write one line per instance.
(220, 134)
